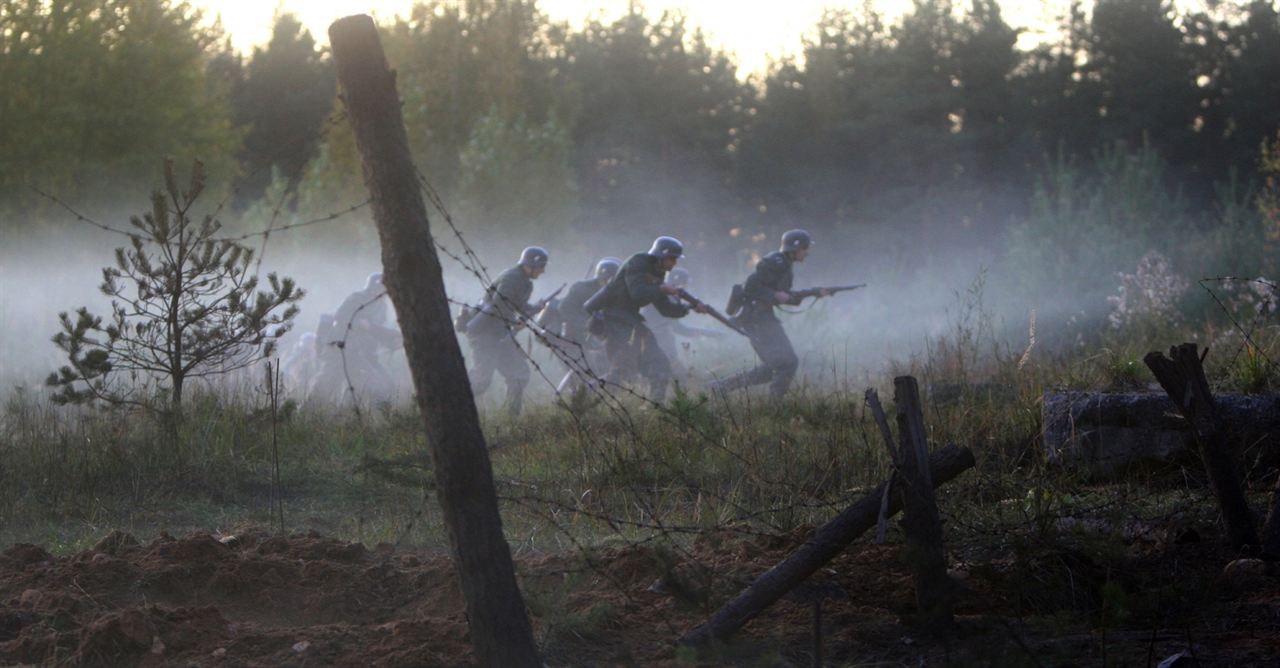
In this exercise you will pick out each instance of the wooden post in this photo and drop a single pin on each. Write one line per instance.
(825, 543)
(500, 630)
(1182, 377)
(882, 421)
(920, 519)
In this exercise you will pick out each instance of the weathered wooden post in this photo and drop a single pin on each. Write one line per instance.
(825, 543)
(500, 630)
(920, 519)
(1182, 377)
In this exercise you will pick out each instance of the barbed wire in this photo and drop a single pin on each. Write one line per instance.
(1247, 334)
(80, 217)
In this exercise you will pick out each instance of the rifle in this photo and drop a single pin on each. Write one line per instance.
(798, 296)
(725, 320)
(548, 299)
(474, 315)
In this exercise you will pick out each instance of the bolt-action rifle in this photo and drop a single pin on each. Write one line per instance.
(470, 316)
(546, 301)
(798, 296)
(725, 320)
(738, 297)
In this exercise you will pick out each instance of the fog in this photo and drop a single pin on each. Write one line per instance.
(916, 292)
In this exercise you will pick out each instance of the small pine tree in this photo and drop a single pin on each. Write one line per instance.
(184, 305)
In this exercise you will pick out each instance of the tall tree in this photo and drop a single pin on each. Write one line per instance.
(96, 90)
(287, 93)
(660, 113)
(1251, 82)
(986, 56)
(1138, 56)
(456, 63)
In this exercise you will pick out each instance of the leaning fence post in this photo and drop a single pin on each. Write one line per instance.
(500, 629)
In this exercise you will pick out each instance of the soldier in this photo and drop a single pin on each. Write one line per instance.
(352, 341)
(665, 330)
(615, 310)
(492, 330)
(768, 287)
(575, 318)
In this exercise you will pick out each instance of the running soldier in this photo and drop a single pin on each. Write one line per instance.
(770, 286)
(353, 342)
(665, 330)
(581, 347)
(615, 311)
(492, 330)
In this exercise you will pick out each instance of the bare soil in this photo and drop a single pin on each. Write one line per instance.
(306, 599)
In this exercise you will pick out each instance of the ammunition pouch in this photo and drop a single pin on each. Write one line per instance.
(735, 300)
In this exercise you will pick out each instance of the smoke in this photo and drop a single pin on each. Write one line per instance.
(916, 291)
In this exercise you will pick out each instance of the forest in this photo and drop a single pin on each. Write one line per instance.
(1032, 219)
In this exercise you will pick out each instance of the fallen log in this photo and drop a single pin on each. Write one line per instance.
(1105, 433)
(826, 542)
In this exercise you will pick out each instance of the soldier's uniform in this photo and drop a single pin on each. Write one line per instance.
(573, 312)
(581, 348)
(629, 344)
(778, 359)
(665, 330)
(352, 342)
(493, 339)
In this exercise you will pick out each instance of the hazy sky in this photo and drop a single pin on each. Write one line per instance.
(753, 29)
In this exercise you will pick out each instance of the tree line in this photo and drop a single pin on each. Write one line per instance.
(936, 122)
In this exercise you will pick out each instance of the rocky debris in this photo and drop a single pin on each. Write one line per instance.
(1245, 574)
(23, 554)
(1103, 433)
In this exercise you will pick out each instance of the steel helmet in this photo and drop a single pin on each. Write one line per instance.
(795, 240)
(667, 247)
(533, 257)
(678, 277)
(607, 268)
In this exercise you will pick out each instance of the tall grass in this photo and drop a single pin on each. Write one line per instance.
(697, 463)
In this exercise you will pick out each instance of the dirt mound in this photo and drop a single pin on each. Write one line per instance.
(249, 599)
(259, 600)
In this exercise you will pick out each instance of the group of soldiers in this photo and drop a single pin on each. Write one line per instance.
(601, 325)
(613, 327)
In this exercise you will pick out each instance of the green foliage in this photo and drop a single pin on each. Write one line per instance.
(282, 99)
(1254, 372)
(184, 305)
(515, 180)
(1123, 372)
(455, 63)
(96, 91)
(1085, 225)
(1269, 202)
(660, 116)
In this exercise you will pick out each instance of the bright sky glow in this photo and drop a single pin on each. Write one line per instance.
(754, 30)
